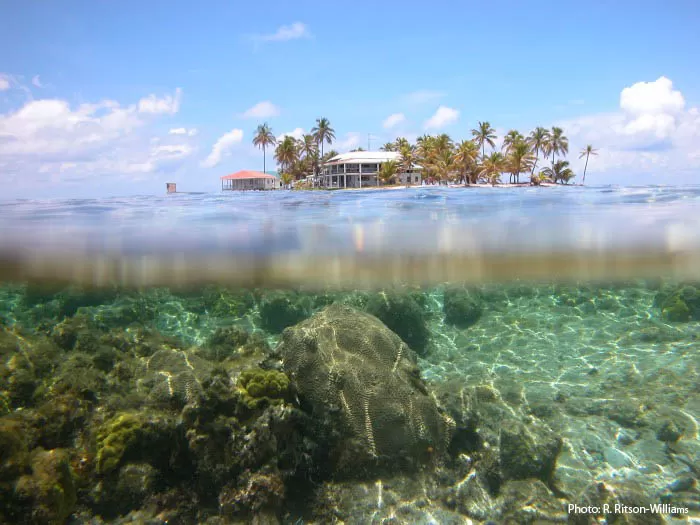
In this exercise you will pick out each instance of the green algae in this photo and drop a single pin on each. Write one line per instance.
(259, 387)
(114, 437)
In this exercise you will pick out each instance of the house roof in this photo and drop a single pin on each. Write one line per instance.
(248, 174)
(368, 157)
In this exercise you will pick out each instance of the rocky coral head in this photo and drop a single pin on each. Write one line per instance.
(358, 377)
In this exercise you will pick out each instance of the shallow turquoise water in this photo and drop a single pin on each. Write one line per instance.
(131, 404)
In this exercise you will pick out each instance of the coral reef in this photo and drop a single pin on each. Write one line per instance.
(361, 379)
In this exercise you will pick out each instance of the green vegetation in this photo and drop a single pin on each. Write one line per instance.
(263, 138)
(587, 152)
(259, 388)
(443, 161)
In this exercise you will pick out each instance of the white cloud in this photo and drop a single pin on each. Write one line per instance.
(442, 117)
(658, 97)
(36, 82)
(4, 82)
(289, 32)
(183, 131)
(422, 96)
(222, 147)
(652, 133)
(45, 139)
(297, 134)
(393, 120)
(171, 151)
(264, 109)
(168, 104)
(350, 141)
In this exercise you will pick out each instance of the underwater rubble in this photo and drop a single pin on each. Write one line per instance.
(448, 405)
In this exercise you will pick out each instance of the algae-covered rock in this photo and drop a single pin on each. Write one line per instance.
(259, 494)
(402, 314)
(114, 438)
(224, 302)
(679, 303)
(262, 387)
(50, 489)
(126, 437)
(360, 379)
(528, 452)
(462, 308)
(278, 310)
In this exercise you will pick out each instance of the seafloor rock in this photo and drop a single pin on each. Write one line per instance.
(235, 343)
(174, 376)
(462, 307)
(402, 314)
(136, 436)
(360, 379)
(679, 303)
(258, 494)
(528, 452)
(529, 501)
(224, 302)
(49, 493)
(278, 310)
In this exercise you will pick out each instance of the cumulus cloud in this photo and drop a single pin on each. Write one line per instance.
(264, 109)
(183, 131)
(288, 32)
(222, 147)
(442, 117)
(48, 139)
(36, 82)
(393, 120)
(169, 104)
(652, 132)
(297, 134)
(4, 82)
(350, 141)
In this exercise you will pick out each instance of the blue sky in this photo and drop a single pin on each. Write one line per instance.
(103, 98)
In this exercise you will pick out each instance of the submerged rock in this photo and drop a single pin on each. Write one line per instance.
(403, 315)
(462, 308)
(360, 379)
(528, 452)
(679, 303)
(278, 310)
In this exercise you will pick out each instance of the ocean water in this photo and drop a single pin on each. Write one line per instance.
(423, 355)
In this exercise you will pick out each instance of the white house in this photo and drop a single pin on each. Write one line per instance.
(361, 168)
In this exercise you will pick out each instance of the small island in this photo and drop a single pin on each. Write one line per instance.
(539, 157)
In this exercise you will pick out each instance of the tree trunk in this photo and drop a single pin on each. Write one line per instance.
(264, 158)
(537, 155)
(584, 169)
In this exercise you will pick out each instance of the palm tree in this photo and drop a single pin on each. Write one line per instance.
(512, 137)
(492, 167)
(263, 138)
(307, 145)
(465, 160)
(323, 132)
(483, 135)
(559, 171)
(399, 143)
(388, 170)
(286, 178)
(286, 152)
(444, 165)
(406, 158)
(539, 137)
(520, 159)
(557, 143)
(587, 151)
(389, 146)
(328, 156)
